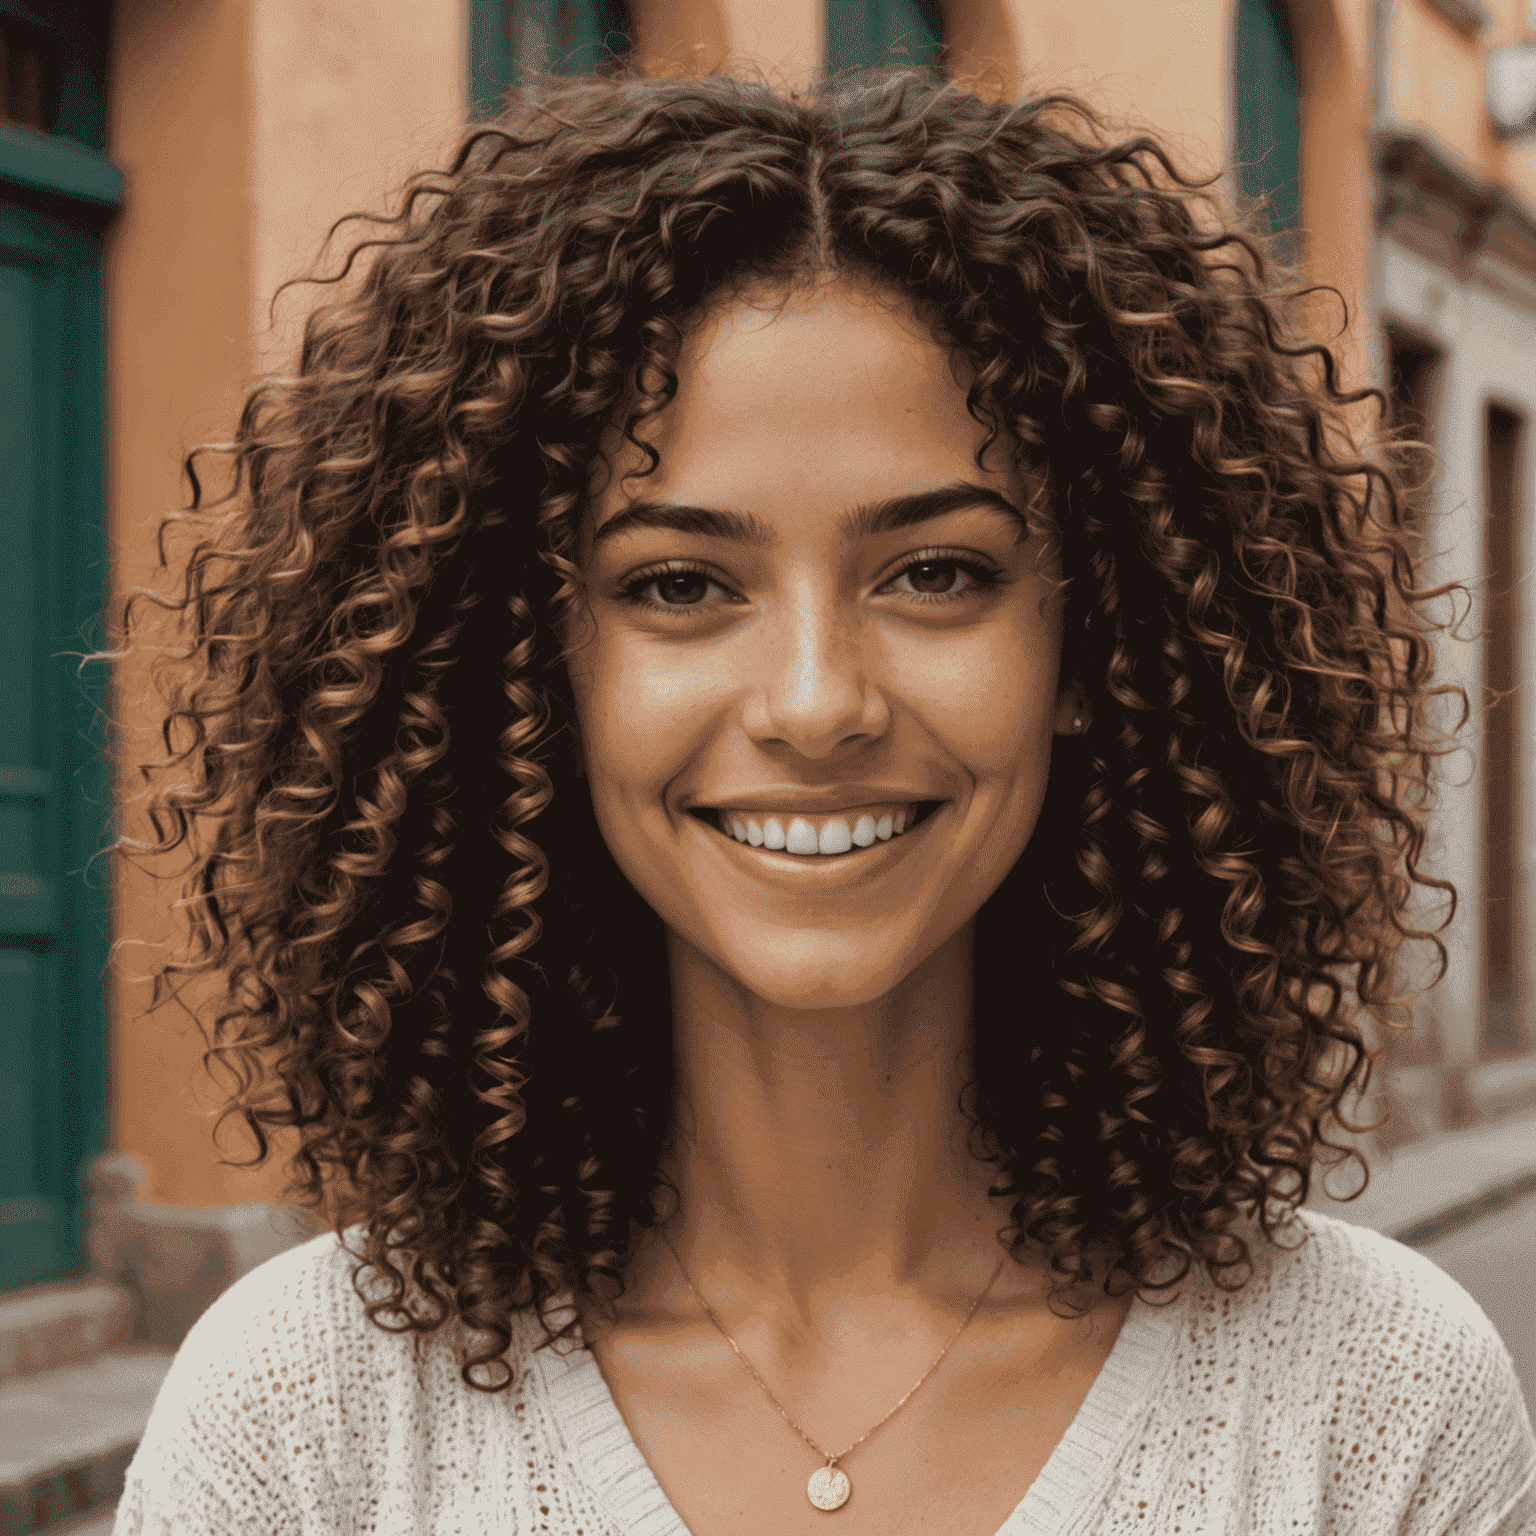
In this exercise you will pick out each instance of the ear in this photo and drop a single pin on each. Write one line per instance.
(1072, 712)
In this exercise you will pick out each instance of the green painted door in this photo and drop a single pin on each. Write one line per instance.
(55, 806)
(565, 37)
(1268, 120)
(892, 33)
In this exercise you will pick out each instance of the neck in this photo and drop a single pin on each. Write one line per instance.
(818, 1150)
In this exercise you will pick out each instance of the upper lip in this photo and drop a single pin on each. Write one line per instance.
(812, 802)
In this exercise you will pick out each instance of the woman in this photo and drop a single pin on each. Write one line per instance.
(809, 754)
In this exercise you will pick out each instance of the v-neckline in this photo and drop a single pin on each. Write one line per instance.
(1075, 1473)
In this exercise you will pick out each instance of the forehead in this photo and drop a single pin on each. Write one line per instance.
(837, 391)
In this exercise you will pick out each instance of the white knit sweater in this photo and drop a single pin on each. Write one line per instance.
(1350, 1387)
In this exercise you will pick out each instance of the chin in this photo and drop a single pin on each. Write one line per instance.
(812, 970)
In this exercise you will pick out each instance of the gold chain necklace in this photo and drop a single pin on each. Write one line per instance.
(829, 1487)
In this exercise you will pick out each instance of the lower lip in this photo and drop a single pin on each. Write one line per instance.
(828, 867)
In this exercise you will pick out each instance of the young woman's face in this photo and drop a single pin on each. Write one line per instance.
(802, 631)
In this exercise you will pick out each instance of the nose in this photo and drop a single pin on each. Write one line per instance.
(814, 689)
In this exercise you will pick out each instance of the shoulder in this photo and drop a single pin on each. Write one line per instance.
(283, 1394)
(1372, 1372)
(297, 1308)
(1318, 1254)
(1368, 1310)
(1323, 1277)
(1392, 1305)
(212, 1452)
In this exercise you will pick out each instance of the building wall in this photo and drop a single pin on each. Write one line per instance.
(1436, 78)
(178, 268)
(1468, 288)
(246, 127)
(1488, 338)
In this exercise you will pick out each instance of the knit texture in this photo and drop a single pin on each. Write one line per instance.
(1351, 1386)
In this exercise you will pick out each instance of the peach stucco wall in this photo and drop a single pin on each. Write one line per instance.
(1125, 57)
(1437, 80)
(246, 127)
(340, 114)
(178, 355)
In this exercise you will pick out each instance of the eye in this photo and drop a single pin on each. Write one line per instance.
(935, 578)
(681, 589)
(677, 589)
(941, 578)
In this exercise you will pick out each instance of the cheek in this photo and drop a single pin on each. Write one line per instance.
(989, 696)
(644, 711)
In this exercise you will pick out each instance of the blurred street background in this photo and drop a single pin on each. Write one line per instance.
(166, 164)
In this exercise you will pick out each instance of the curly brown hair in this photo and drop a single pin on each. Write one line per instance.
(438, 977)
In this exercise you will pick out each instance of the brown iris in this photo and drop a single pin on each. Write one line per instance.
(932, 575)
(682, 588)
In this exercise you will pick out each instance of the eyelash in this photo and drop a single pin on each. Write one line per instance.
(984, 577)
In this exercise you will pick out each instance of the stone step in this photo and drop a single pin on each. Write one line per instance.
(91, 1525)
(69, 1323)
(68, 1434)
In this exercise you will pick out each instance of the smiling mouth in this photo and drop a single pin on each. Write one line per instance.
(843, 835)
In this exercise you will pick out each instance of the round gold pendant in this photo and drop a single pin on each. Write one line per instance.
(828, 1488)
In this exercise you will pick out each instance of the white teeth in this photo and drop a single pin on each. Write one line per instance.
(801, 837)
(834, 836)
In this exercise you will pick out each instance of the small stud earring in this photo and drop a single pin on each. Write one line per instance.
(1077, 722)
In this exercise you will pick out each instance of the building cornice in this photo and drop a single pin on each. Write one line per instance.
(1471, 18)
(1438, 207)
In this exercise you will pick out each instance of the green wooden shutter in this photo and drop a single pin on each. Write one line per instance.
(861, 33)
(56, 191)
(566, 37)
(1268, 139)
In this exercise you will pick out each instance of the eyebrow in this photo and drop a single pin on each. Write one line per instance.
(861, 521)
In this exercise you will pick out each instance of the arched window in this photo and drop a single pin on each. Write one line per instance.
(890, 32)
(1267, 145)
(567, 37)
